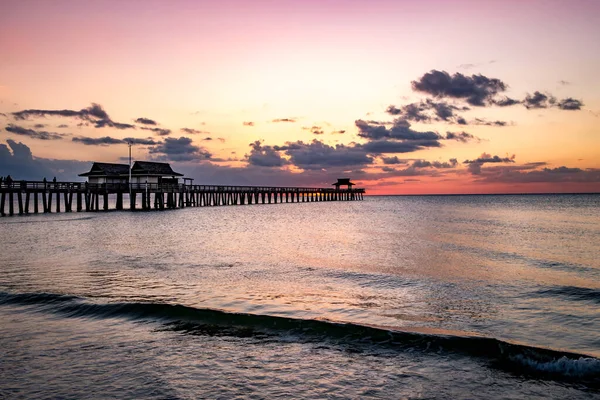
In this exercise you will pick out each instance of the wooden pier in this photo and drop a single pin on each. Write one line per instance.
(27, 197)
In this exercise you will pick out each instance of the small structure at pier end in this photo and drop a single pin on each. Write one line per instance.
(343, 182)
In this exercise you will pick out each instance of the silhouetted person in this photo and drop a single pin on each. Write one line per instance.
(54, 180)
(8, 180)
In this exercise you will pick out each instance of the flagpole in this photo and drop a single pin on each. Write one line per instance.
(129, 144)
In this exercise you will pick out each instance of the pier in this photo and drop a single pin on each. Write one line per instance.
(32, 197)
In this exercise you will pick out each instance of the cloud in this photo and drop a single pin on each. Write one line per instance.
(481, 121)
(101, 141)
(340, 132)
(315, 130)
(475, 165)
(284, 120)
(392, 160)
(317, 155)
(145, 121)
(41, 135)
(94, 114)
(488, 158)
(538, 100)
(570, 104)
(141, 141)
(526, 174)
(264, 156)
(400, 130)
(452, 163)
(564, 83)
(108, 140)
(181, 149)
(158, 131)
(506, 102)
(418, 112)
(463, 137)
(411, 112)
(477, 90)
(248, 123)
(392, 146)
(63, 126)
(191, 131)
(17, 160)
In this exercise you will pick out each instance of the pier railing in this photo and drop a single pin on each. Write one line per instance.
(41, 185)
(18, 195)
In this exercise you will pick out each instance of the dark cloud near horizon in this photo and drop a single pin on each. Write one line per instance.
(451, 163)
(145, 121)
(63, 126)
(317, 155)
(248, 123)
(392, 160)
(488, 158)
(41, 135)
(284, 120)
(475, 165)
(17, 160)
(340, 132)
(530, 174)
(180, 149)
(385, 146)
(477, 90)
(264, 156)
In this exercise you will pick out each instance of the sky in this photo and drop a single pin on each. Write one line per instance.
(403, 97)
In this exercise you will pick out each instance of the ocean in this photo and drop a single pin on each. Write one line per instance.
(443, 297)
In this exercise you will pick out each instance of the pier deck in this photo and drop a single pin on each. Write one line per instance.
(25, 197)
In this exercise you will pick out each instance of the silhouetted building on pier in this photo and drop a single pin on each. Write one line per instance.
(141, 172)
(107, 173)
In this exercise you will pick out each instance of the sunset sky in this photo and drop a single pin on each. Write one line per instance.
(404, 97)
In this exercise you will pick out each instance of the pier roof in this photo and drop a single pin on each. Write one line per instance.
(343, 181)
(107, 169)
(153, 168)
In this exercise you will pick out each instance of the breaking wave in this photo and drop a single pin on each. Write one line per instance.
(516, 358)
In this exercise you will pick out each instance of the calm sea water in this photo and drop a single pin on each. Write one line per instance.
(391, 297)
